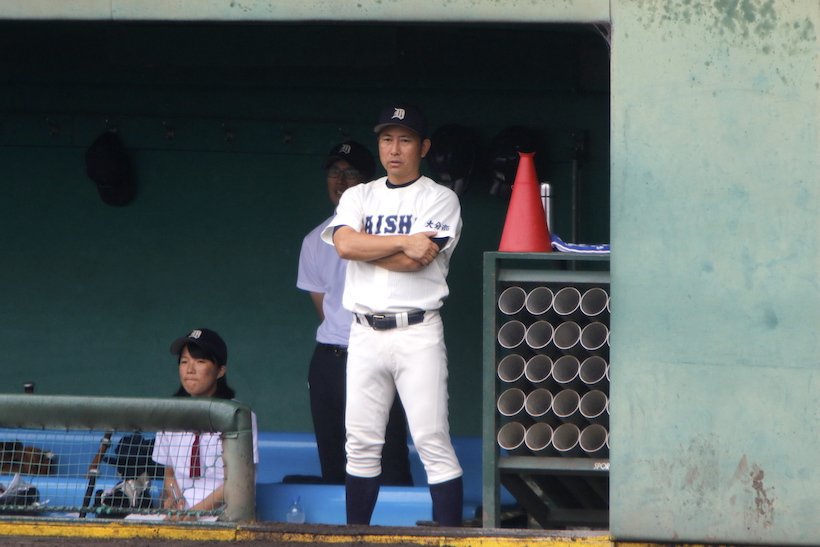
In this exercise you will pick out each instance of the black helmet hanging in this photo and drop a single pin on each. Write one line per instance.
(504, 150)
(452, 156)
(107, 164)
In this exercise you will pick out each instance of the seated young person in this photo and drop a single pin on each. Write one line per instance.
(194, 470)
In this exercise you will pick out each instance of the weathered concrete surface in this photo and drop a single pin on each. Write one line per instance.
(315, 10)
(716, 253)
(30, 532)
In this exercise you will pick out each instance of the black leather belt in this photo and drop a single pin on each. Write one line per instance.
(338, 351)
(387, 321)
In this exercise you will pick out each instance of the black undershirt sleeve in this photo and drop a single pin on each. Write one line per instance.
(440, 241)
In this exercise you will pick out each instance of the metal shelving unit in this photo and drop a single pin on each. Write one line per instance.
(560, 484)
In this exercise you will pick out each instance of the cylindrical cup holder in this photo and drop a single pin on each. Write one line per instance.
(539, 300)
(511, 301)
(539, 335)
(511, 402)
(593, 406)
(538, 437)
(538, 369)
(567, 336)
(511, 334)
(553, 380)
(594, 302)
(511, 370)
(594, 336)
(567, 301)
(565, 406)
(593, 439)
(565, 440)
(593, 371)
(565, 371)
(538, 404)
(511, 438)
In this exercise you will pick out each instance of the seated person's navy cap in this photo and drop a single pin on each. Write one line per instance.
(356, 155)
(405, 115)
(206, 339)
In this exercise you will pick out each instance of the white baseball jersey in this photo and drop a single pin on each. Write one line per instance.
(411, 360)
(381, 209)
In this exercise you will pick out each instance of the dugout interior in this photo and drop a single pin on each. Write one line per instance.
(227, 125)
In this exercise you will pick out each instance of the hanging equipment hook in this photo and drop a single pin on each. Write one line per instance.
(229, 134)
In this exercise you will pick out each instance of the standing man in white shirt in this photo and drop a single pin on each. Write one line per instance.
(322, 273)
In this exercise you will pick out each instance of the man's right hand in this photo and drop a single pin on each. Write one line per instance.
(421, 247)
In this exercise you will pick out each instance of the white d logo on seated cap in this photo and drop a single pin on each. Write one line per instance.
(398, 113)
(195, 334)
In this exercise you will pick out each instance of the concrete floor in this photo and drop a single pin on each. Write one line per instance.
(25, 532)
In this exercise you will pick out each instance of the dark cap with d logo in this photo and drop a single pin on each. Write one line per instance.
(206, 339)
(405, 115)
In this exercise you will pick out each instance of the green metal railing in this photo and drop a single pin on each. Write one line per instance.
(73, 413)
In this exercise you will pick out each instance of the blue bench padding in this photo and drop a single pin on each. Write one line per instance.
(280, 454)
(325, 504)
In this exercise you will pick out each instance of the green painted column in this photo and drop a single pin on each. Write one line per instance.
(715, 270)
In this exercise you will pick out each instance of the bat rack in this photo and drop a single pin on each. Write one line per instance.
(557, 489)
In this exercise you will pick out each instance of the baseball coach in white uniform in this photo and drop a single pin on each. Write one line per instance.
(398, 232)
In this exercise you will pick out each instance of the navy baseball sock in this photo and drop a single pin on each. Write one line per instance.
(360, 498)
(448, 497)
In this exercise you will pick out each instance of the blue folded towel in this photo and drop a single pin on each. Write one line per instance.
(559, 245)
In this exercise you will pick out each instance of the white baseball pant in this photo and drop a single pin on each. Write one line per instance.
(413, 361)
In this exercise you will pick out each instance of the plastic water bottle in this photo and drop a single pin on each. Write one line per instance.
(296, 513)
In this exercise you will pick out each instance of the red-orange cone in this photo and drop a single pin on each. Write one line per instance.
(525, 230)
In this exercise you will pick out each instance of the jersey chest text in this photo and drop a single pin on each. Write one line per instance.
(388, 224)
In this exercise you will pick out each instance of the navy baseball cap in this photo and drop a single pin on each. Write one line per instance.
(206, 339)
(405, 115)
(356, 155)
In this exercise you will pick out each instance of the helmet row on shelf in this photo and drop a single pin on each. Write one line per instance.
(456, 157)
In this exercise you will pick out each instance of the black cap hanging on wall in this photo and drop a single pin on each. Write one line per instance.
(108, 165)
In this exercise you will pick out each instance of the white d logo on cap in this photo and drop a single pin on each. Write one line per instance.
(344, 149)
(398, 113)
(195, 334)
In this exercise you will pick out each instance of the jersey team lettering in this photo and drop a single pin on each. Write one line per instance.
(396, 224)
(388, 224)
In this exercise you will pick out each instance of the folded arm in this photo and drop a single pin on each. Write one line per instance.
(400, 262)
(394, 252)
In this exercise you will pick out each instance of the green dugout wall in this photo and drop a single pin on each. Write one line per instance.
(711, 208)
(228, 124)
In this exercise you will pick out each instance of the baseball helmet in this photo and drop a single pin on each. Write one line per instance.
(107, 163)
(452, 156)
(504, 150)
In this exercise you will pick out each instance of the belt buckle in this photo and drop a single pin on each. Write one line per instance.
(382, 321)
